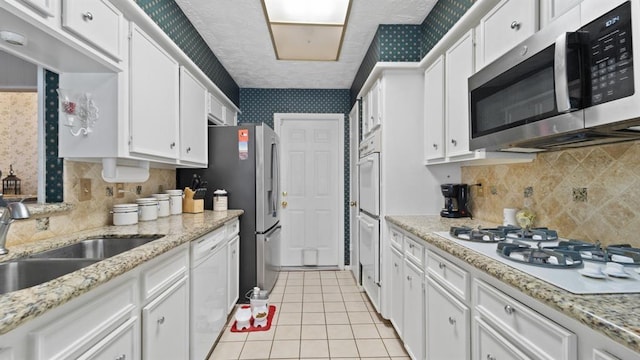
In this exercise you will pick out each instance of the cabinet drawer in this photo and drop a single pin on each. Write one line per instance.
(414, 251)
(93, 320)
(448, 324)
(491, 345)
(96, 21)
(603, 355)
(449, 275)
(537, 334)
(232, 227)
(119, 345)
(164, 272)
(396, 239)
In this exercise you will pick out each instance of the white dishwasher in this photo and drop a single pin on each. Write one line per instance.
(208, 292)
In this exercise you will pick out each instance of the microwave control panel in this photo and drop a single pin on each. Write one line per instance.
(610, 57)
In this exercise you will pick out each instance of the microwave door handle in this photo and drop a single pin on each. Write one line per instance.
(560, 74)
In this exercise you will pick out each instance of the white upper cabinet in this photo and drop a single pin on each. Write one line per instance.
(552, 9)
(434, 115)
(506, 25)
(372, 108)
(95, 21)
(193, 120)
(458, 67)
(154, 98)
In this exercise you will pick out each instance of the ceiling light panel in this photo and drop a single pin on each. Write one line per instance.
(307, 11)
(307, 42)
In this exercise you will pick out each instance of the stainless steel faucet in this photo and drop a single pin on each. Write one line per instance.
(13, 211)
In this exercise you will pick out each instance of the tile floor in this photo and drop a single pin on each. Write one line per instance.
(320, 315)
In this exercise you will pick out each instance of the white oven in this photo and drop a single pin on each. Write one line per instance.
(369, 237)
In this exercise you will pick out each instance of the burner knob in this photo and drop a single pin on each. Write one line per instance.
(509, 309)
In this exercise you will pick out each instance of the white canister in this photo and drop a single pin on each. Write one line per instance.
(220, 200)
(164, 208)
(509, 217)
(148, 209)
(175, 201)
(125, 214)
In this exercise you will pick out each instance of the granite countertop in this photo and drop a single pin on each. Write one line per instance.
(20, 306)
(607, 313)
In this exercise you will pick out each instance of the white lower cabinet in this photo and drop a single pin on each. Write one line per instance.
(121, 344)
(448, 325)
(490, 345)
(165, 324)
(413, 319)
(397, 296)
(233, 281)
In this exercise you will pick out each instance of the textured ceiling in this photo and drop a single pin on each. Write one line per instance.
(237, 33)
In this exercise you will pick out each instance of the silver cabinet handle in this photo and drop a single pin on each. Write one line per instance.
(515, 25)
(395, 264)
(452, 321)
(454, 142)
(442, 265)
(121, 357)
(189, 149)
(490, 357)
(435, 146)
(509, 309)
(411, 246)
(87, 16)
(172, 145)
(161, 320)
(409, 278)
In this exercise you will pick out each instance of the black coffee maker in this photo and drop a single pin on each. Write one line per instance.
(456, 200)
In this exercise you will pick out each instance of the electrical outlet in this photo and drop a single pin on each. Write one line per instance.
(119, 190)
(480, 191)
(85, 190)
(138, 189)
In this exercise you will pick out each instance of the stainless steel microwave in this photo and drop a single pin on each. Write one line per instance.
(571, 84)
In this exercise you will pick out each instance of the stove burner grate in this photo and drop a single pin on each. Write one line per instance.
(622, 253)
(488, 235)
(533, 234)
(539, 256)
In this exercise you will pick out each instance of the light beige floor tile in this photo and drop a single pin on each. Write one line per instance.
(332, 297)
(394, 347)
(314, 332)
(295, 282)
(386, 331)
(276, 297)
(292, 297)
(287, 332)
(262, 335)
(277, 289)
(295, 275)
(377, 358)
(291, 289)
(370, 306)
(346, 282)
(329, 281)
(229, 335)
(256, 350)
(349, 289)
(328, 275)
(343, 348)
(312, 298)
(346, 274)
(364, 296)
(314, 348)
(337, 318)
(355, 306)
(401, 358)
(334, 307)
(330, 289)
(227, 351)
(339, 332)
(377, 318)
(313, 289)
(311, 275)
(290, 319)
(313, 307)
(362, 317)
(285, 349)
(371, 348)
(290, 307)
(313, 318)
(365, 331)
(348, 297)
(313, 282)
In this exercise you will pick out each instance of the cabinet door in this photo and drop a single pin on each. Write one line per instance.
(46, 7)
(366, 110)
(448, 325)
(413, 293)
(234, 271)
(165, 324)
(121, 344)
(230, 116)
(154, 91)
(375, 109)
(552, 9)
(95, 21)
(458, 68)
(397, 301)
(489, 345)
(506, 25)
(434, 110)
(193, 119)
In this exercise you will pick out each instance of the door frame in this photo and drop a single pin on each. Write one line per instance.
(278, 119)
(354, 142)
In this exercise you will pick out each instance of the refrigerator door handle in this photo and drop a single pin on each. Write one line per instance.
(275, 178)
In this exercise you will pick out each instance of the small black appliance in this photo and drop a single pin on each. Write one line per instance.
(456, 200)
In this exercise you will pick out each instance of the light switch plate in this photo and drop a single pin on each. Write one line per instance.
(85, 190)
(119, 190)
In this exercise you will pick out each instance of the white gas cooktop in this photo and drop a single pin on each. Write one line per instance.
(569, 279)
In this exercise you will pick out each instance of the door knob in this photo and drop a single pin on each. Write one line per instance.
(353, 203)
(284, 204)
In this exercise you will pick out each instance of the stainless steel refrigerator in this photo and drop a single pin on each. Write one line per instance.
(243, 160)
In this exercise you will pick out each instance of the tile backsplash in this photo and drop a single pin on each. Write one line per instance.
(590, 193)
(86, 214)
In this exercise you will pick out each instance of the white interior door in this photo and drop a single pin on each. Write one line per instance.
(354, 141)
(312, 188)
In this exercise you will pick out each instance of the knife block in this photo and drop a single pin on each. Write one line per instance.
(191, 205)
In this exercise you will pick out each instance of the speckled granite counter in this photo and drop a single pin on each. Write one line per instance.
(616, 316)
(19, 306)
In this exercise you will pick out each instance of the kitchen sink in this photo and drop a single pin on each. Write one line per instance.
(96, 248)
(24, 273)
